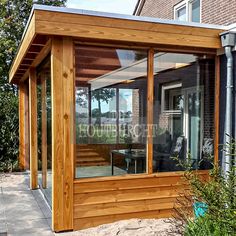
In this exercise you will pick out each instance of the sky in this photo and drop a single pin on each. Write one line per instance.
(113, 6)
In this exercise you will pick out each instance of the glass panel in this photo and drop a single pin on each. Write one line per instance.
(44, 73)
(181, 13)
(183, 111)
(195, 8)
(111, 96)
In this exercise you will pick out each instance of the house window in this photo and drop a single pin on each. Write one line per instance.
(181, 13)
(188, 10)
(183, 102)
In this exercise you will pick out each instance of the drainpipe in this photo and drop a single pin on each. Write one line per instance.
(228, 41)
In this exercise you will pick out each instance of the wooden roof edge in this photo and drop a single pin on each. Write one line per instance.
(126, 17)
(27, 38)
(30, 29)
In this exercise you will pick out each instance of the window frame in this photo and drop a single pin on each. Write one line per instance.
(188, 5)
(166, 87)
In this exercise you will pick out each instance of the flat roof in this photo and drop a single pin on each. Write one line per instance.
(124, 17)
(49, 21)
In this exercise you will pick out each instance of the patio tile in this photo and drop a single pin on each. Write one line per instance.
(30, 227)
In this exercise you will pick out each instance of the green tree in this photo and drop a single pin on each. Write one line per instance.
(102, 95)
(13, 19)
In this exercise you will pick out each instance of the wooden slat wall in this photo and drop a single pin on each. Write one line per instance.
(33, 129)
(92, 27)
(103, 201)
(62, 82)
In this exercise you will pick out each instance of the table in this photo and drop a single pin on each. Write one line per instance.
(134, 154)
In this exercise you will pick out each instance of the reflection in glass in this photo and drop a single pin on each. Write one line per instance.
(111, 95)
(183, 110)
(181, 14)
(195, 11)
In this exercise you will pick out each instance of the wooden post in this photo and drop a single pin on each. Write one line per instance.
(23, 127)
(63, 106)
(44, 131)
(117, 116)
(33, 129)
(217, 110)
(150, 91)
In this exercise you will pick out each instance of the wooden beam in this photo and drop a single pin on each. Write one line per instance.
(40, 57)
(33, 129)
(126, 35)
(23, 127)
(28, 38)
(217, 110)
(86, 20)
(150, 91)
(63, 107)
(44, 131)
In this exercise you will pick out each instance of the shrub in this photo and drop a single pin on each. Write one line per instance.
(218, 193)
(8, 131)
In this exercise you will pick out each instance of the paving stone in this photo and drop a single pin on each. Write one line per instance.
(3, 222)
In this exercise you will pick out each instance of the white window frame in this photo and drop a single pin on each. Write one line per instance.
(163, 90)
(187, 4)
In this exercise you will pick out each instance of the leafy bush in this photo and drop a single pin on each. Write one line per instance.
(218, 193)
(8, 131)
(204, 226)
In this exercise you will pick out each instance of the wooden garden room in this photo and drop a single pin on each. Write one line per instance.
(105, 102)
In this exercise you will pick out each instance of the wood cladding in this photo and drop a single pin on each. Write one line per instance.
(107, 199)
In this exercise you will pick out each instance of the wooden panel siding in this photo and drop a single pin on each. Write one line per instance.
(107, 199)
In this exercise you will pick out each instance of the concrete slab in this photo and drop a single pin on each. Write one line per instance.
(26, 211)
(3, 222)
(35, 227)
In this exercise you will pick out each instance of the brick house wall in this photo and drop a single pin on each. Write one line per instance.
(220, 12)
(159, 8)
